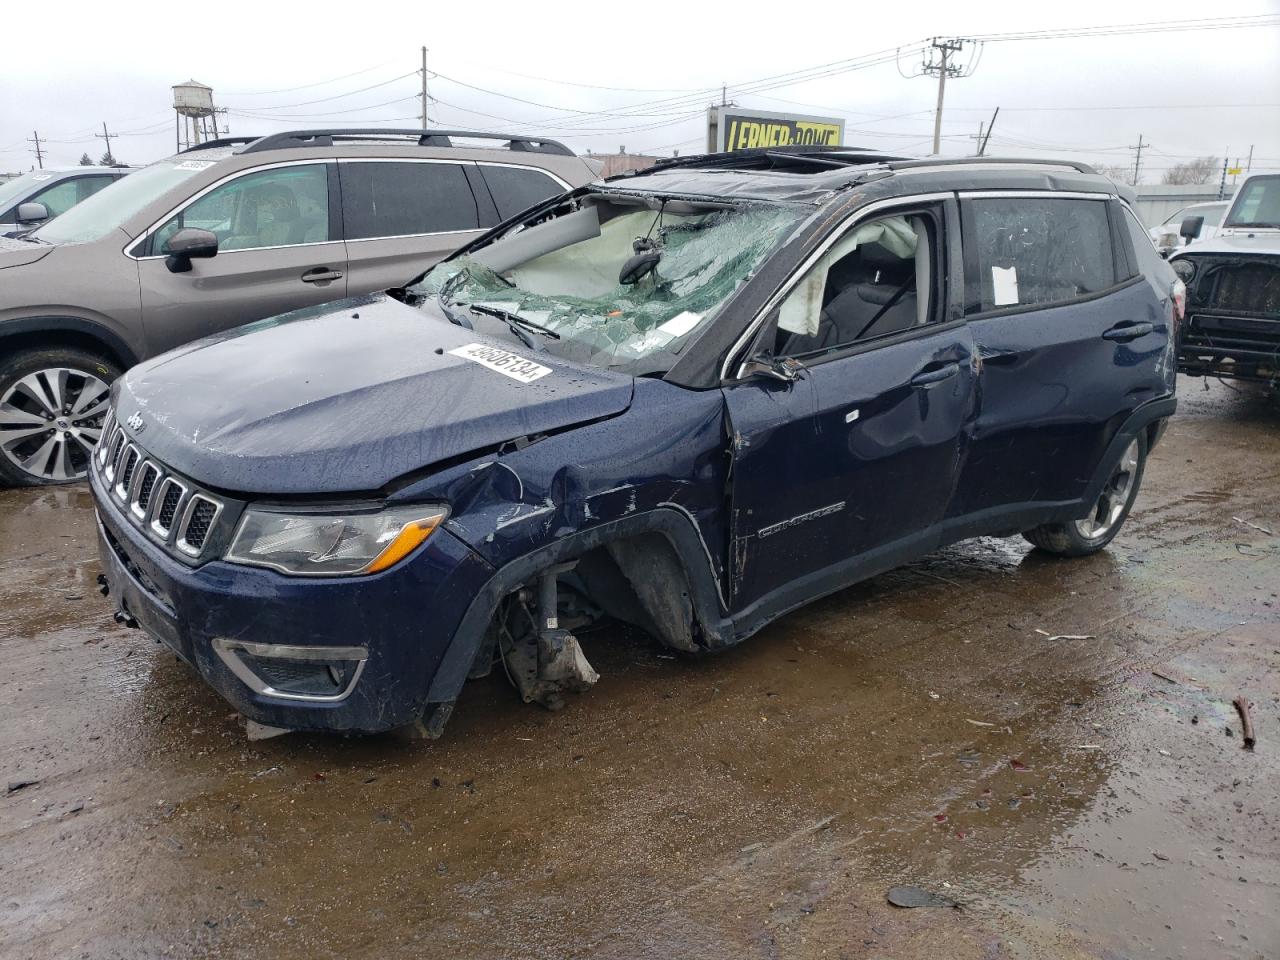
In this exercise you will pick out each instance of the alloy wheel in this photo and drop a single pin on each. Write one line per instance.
(50, 420)
(1109, 510)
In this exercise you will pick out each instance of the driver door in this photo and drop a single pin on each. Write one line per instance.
(279, 248)
(849, 468)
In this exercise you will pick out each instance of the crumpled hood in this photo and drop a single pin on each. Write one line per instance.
(346, 398)
(18, 253)
(1241, 241)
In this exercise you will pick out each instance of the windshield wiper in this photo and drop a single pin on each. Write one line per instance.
(442, 300)
(515, 323)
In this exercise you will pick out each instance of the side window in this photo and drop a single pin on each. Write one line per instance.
(875, 281)
(517, 188)
(402, 199)
(60, 198)
(91, 185)
(1030, 251)
(271, 208)
(1150, 264)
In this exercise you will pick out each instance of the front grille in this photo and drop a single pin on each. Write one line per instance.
(1249, 288)
(182, 518)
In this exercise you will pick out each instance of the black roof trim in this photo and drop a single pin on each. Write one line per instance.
(831, 157)
(424, 138)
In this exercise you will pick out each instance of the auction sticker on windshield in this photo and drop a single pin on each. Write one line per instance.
(502, 361)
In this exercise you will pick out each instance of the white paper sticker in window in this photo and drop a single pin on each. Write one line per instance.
(1004, 286)
(502, 361)
(193, 165)
(681, 323)
(42, 176)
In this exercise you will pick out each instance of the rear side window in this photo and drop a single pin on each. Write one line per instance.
(1029, 251)
(403, 199)
(517, 188)
(1150, 264)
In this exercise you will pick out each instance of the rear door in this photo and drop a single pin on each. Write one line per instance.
(1071, 341)
(853, 464)
(278, 249)
(401, 217)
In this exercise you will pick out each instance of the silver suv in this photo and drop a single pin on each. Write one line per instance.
(33, 199)
(225, 233)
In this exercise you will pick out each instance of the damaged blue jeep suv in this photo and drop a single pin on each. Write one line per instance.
(690, 400)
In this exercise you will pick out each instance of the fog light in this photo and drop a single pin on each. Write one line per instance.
(316, 674)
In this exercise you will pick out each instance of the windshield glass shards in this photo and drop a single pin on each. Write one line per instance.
(618, 282)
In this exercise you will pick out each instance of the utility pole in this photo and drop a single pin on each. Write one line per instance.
(425, 121)
(977, 137)
(946, 65)
(35, 138)
(1222, 184)
(1137, 163)
(982, 148)
(104, 135)
(1249, 165)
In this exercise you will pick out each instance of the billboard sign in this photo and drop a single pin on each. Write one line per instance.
(733, 128)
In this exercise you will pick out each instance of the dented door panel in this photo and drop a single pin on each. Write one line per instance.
(859, 454)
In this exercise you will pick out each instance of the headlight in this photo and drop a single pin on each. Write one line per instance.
(1184, 268)
(332, 544)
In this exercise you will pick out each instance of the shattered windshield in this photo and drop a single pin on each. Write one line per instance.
(619, 282)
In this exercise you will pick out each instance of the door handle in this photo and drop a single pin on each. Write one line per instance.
(321, 275)
(1126, 332)
(927, 377)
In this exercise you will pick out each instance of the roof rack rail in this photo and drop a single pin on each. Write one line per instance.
(763, 157)
(220, 142)
(959, 161)
(424, 138)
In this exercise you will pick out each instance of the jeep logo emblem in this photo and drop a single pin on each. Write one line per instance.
(135, 423)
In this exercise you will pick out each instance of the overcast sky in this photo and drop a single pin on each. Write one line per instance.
(603, 75)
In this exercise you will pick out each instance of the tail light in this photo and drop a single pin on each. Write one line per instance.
(1179, 302)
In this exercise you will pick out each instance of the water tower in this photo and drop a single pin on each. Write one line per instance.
(193, 104)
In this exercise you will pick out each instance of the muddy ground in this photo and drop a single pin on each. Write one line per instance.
(929, 727)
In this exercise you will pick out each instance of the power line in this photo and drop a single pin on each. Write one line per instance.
(1152, 26)
(338, 96)
(308, 86)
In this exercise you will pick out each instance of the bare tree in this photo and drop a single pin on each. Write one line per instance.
(1199, 170)
(1117, 173)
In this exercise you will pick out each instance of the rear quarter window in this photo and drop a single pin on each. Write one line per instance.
(1034, 251)
(517, 188)
(404, 199)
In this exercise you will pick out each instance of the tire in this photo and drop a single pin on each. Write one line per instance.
(1079, 538)
(52, 404)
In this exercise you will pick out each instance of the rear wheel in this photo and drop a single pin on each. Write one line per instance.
(1079, 538)
(52, 404)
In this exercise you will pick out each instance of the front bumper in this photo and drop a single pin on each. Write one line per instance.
(403, 619)
(1223, 345)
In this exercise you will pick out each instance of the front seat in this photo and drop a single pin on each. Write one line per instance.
(882, 304)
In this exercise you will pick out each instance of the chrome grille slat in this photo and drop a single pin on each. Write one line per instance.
(146, 478)
(197, 521)
(128, 462)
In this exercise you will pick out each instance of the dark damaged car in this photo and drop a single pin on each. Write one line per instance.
(690, 400)
(1233, 289)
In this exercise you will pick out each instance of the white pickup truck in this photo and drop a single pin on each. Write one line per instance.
(1232, 326)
